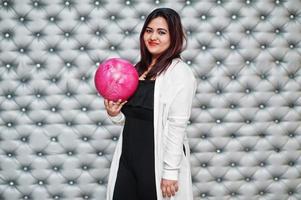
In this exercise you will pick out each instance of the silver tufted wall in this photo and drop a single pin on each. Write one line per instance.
(245, 130)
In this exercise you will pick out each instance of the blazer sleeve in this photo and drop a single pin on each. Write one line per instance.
(177, 119)
(118, 119)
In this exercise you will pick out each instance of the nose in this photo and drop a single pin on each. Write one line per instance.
(153, 36)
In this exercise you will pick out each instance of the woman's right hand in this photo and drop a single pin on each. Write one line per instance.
(113, 107)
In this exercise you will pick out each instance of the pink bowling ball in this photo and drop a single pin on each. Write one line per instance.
(116, 79)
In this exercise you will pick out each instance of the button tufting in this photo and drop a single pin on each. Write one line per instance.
(69, 123)
(292, 16)
(56, 168)
(7, 35)
(24, 138)
(291, 163)
(41, 182)
(218, 150)
(204, 77)
(218, 33)
(5, 3)
(204, 165)
(219, 1)
(40, 154)
(70, 153)
(233, 106)
(248, 2)
(233, 193)
(11, 183)
(39, 123)
(51, 50)
(248, 179)
(85, 138)
(71, 182)
(203, 195)
(26, 197)
(247, 149)
(85, 167)
(234, 17)
(9, 124)
(261, 193)
(204, 17)
(26, 168)
(35, 3)
(204, 136)
(54, 139)
(290, 192)
(248, 31)
(262, 164)
(248, 62)
(82, 18)
(96, 3)
(219, 180)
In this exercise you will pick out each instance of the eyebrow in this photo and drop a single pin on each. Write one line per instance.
(160, 29)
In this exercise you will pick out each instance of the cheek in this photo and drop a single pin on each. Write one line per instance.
(145, 38)
(166, 41)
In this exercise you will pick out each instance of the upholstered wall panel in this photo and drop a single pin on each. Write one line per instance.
(245, 130)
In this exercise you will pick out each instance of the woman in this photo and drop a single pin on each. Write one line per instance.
(151, 160)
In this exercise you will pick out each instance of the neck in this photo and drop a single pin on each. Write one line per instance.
(154, 60)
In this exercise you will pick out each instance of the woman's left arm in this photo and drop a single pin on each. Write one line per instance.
(178, 117)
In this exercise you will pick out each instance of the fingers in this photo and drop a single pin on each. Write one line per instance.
(106, 102)
(172, 190)
(176, 187)
(117, 104)
(113, 107)
(169, 188)
(110, 104)
(163, 188)
(123, 103)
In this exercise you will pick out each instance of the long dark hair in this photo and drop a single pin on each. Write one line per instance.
(177, 41)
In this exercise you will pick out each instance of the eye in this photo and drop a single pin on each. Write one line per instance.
(162, 32)
(148, 30)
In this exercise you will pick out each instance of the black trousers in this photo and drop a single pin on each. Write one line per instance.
(131, 185)
(136, 173)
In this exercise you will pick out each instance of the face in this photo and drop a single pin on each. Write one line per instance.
(156, 36)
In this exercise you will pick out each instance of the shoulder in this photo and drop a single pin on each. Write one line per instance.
(180, 71)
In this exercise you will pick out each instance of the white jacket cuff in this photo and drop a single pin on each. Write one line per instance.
(170, 174)
(118, 119)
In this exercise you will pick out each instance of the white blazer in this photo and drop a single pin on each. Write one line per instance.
(174, 92)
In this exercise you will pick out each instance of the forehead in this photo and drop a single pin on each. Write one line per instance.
(158, 22)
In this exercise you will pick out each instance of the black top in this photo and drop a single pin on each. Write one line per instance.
(141, 104)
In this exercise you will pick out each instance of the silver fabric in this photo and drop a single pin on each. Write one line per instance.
(245, 130)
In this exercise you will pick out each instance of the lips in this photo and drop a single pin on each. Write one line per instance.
(150, 43)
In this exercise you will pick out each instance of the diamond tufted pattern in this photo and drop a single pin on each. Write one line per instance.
(245, 130)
